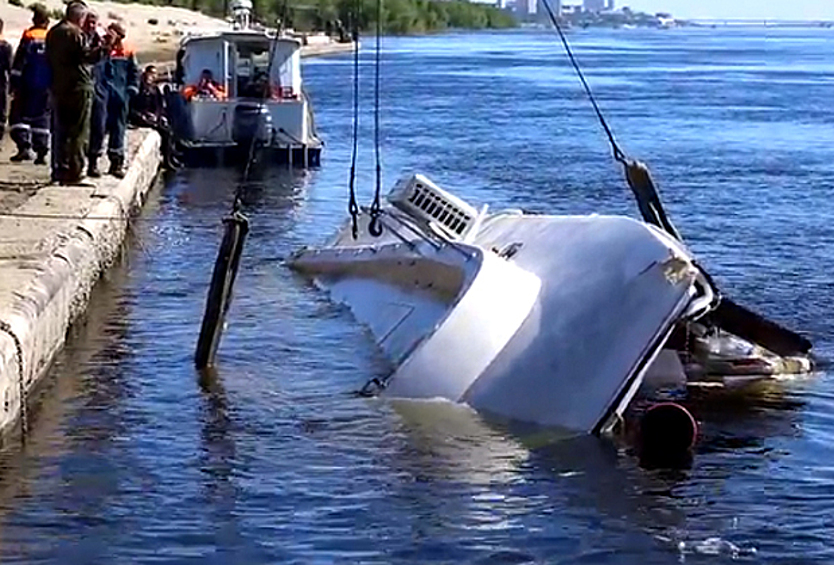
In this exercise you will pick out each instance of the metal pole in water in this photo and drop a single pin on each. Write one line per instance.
(220, 291)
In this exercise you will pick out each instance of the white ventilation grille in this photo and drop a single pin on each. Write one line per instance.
(422, 199)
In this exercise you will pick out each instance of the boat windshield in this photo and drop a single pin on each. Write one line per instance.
(253, 70)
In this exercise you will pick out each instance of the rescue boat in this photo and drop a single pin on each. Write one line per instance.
(241, 89)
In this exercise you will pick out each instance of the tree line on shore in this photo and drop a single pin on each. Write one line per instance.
(398, 16)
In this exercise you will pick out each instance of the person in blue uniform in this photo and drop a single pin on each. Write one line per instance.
(117, 80)
(5, 69)
(30, 79)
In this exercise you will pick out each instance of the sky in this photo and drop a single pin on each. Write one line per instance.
(744, 9)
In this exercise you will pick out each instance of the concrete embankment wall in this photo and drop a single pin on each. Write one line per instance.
(53, 250)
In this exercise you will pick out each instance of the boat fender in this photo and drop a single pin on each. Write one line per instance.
(667, 434)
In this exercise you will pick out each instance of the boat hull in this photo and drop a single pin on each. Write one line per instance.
(558, 333)
(196, 155)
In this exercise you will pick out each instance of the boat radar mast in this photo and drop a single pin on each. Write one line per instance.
(241, 12)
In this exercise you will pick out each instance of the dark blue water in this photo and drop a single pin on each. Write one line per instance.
(134, 459)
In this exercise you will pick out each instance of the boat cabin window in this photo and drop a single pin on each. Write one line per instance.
(199, 56)
(243, 68)
(260, 74)
(252, 74)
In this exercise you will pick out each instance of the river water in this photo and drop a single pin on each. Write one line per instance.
(134, 459)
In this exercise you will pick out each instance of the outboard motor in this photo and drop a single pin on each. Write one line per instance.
(252, 122)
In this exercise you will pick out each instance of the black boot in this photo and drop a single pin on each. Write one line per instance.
(21, 155)
(92, 168)
(117, 167)
(41, 158)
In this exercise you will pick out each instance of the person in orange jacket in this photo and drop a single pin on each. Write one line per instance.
(206, 87)
(30, 79)
(117, 80)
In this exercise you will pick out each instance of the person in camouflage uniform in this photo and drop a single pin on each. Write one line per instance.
(71, 90)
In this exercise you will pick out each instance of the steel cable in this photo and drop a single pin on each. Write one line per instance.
(353, 206)
(375, 227)
(619, 156)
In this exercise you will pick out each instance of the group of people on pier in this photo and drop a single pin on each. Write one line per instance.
(73, 87)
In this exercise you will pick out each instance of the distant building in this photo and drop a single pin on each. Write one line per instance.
(569, 9)
(593, 5)
(521, 8)
(609, 5)
(529, 7)
(555, 5)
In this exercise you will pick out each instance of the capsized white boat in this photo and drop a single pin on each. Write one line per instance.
(550, 320)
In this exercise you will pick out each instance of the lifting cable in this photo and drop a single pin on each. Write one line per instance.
(353, 207)
(375, 227)
(637, 174)
(619, 156)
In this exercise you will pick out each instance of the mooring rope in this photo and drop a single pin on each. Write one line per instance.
(21, 380)
(619, 156)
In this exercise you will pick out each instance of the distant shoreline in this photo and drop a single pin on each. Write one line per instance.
(683, 24)
(826, 24)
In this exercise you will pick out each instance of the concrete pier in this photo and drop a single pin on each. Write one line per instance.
(55, 242)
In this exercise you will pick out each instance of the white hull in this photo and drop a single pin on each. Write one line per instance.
(551, 320)
(284, 124)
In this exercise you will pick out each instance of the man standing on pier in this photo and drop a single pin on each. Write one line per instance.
(70, 55)
(116, 80)
(30, 78)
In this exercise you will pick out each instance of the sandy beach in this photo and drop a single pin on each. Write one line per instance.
(153, 31)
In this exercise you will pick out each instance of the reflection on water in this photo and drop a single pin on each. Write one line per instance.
(134, 457)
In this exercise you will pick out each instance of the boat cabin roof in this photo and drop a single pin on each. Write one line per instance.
(240, 36)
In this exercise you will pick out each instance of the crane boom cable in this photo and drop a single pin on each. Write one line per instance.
(353, 206)
(619, 156)
(375, 228)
